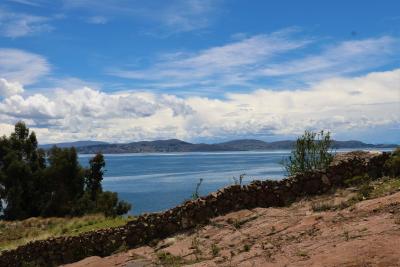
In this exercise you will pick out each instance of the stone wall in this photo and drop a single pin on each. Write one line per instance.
(61, 250)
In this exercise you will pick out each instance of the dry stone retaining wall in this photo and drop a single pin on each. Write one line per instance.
(147, 227)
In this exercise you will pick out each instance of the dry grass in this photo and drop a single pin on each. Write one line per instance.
(17, 233)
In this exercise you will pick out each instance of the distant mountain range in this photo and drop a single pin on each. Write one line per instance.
(175, 145)
(74, 144)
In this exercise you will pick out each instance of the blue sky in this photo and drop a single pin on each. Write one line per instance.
(207, 70)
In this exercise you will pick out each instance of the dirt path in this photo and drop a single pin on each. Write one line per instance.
(366, 234)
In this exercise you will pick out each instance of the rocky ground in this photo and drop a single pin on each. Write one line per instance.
(330, 230)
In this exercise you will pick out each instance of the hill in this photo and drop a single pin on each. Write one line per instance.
(175, 145)
(73, 144)
(365, 234)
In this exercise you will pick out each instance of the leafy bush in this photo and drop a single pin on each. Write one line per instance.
(311, 152)
(392, 165)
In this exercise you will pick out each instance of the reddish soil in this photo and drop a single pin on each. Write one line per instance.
(366, 234)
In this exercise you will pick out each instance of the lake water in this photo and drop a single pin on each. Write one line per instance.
(155, 182)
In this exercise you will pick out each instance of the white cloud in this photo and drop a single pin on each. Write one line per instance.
(167, 16)
(343, 58)
(188, 15)
(21, 66)
(228, 64)
(34, 3)
(16, 25)
(97, 20)
(9, 88)
(341, 105)
(249, 60)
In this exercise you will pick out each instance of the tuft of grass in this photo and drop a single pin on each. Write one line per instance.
(302, 254)
(382, 187)
(17, 233)
(123, 248)
(346, 235)
(322, 206)
(357, 180)
(215, 250)
(246, 247)
(167, 259)
(386, 187)
(196, 247)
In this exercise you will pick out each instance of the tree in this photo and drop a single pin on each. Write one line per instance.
(21, 166)
(311, 152)
(65, 182)
(95, 175)
(99, 201)
(33, 185)
(108, 204)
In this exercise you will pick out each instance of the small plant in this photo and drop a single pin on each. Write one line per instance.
(321, 206)
(346, 235)
(238, 181)
(237, 224)
(167, 259)
(365, 190)
(196, 247)
(215, 250)
(357, 180)
(246, 247)
(196, 194)
(311, 152)
(302, 254)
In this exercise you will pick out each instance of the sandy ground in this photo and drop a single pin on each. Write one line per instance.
(366, 234)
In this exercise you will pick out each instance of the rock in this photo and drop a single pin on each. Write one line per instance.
(268, 246)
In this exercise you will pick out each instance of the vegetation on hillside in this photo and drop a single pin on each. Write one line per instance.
(392, 165)
(35, 183)
(17, 233)
(311, 152)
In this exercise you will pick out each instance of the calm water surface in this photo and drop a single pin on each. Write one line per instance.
(155, 182)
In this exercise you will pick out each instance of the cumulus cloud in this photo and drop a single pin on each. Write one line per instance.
(337, 104)
(21, 66)
(9, 88)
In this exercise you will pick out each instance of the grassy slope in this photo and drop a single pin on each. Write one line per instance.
(16, 233)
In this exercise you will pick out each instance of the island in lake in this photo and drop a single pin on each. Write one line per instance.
(176, 145)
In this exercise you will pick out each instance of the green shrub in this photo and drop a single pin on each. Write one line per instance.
(392, 165)
(365, 190)
(311, 152)
(357, 180)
